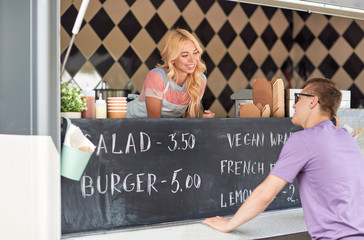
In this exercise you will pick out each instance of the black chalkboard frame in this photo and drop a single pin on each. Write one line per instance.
(217, 144)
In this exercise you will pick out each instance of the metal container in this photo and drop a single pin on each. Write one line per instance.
(242, 97)
(102, 87)
(111, 93)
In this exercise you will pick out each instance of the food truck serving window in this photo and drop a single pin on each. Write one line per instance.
(341, 8)
(345, 3)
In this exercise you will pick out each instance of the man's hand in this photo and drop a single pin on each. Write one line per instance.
(218, 223)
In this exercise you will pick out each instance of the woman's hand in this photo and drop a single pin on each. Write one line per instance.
(218, 223)
(208, 114)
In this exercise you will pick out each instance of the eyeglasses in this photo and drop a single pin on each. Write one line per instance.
(297, 96)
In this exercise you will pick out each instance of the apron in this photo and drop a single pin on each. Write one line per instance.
(137, 109)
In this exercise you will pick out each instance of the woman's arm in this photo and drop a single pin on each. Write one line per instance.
(154, 107)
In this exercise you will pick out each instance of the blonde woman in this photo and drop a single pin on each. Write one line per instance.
(174, 89)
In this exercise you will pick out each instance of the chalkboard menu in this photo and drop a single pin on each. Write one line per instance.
(153, 171)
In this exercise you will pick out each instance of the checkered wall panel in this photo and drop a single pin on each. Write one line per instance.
(120, 41)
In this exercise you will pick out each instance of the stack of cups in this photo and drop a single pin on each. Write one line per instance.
(116, 107)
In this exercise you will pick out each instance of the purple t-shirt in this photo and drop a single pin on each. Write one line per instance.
(329, 167)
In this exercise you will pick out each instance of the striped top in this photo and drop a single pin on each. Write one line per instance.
(155, 86)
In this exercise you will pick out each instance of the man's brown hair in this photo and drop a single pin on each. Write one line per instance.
(328, 93)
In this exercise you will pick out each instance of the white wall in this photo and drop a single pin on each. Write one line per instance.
(30, 189)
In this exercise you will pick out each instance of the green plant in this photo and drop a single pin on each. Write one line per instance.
(72, 99)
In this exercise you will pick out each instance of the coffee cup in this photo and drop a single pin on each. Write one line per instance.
(117, 114)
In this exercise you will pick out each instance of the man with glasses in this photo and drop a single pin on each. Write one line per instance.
(327, 163)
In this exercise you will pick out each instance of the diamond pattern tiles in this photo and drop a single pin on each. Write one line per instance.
(129, 2)
(305, 38)
(225, 94)
(269, 37)
(353, 66)
(269, 11)
(153, 59)
(227, 34)
(205, 5)
(249, 67)
(227, 6)
(102, 60)
(304, 68)
(156, 28)
(227, 66)
(182, 4)
(156, 3)
(102, 24)
(120, 40)
(68, 19)
(181, 23)
(328, 67)
(205, 32)
(130, 26)
(269, 67)
(74, 62)
(208, 62)
(328, 36)
(354, 34)
(249, 36)
(340, 62)
(249, 9)
(130, 62)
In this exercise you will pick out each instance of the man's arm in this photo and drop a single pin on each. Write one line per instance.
(256, 203)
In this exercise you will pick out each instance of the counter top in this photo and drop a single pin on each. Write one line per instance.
(267, 224)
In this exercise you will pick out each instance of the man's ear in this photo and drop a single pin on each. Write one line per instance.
(314, 102)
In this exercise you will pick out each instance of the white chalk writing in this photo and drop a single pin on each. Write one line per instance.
(248, 139)
(241, 167)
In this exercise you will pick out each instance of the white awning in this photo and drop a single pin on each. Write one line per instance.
(342, 8)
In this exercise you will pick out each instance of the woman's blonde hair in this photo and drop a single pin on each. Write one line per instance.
(172, 49)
